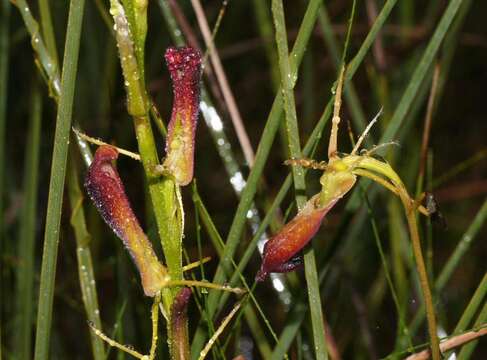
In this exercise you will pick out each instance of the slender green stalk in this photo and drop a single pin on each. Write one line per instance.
(164, 193)
(26, 244)
(351, 97)
(423, 278)
(162, 190)
(85, 264)
(287, 86)
(56, 185)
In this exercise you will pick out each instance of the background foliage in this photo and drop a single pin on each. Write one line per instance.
(361, 314)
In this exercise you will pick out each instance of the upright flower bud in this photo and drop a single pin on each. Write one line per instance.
(185, 69)
(107, 192)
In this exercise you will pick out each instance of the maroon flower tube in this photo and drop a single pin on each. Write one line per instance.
(107, 192)
(281, 251)
(179, 324)
(185, 69)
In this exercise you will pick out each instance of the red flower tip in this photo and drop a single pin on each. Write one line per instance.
(185, 68)
(280, 252)
(182, 61)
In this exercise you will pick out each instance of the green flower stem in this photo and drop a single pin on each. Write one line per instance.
(130, 28)
(56, 185)
(162, 190)
(423, 277)
(410, 208)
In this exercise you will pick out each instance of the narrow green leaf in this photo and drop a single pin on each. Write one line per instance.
(56, 185)
(287, 85)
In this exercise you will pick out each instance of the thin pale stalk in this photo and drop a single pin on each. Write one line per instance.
(471, 309)
(224, 85)
(56, 185)
(351, 97)
(451, 343)
(468, 349)
(26, 244)
(423, 278)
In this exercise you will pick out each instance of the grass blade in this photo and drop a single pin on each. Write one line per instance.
(287, 86)
(56, 185)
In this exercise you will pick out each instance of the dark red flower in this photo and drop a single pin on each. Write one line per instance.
(107, 192)
(185, 69)
(281, 251)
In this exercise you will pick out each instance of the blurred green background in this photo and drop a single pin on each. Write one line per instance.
(357, 301)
